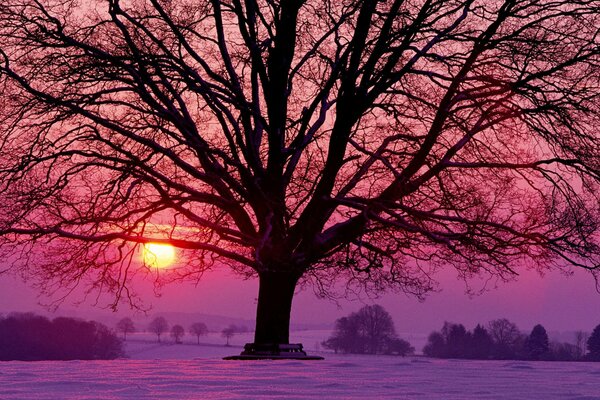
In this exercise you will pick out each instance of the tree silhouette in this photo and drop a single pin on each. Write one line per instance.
(177, 333)
(593, 344)
(481, 345)
(370, 330)
(502, 342)
(398, 346)
(458, 340)
(506, 336)
(375, 326)
(299, 142)
(345, 336)
(198, 329)
(158, 326)
(230, 332)
(126, 326)
(537, 344)
(436, 346)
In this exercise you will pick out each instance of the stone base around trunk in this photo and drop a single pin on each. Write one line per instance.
(255, 351)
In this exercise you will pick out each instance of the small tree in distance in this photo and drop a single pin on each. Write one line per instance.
(593, 344)
(457, 340)
(198, 329)
(229, 332)
(177, 333)
(158, 326)
(481, 344)
(505, 335)
(537, 343)
(126, 326)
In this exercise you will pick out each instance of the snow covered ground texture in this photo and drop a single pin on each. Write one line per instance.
(337, 377)
(190, 371)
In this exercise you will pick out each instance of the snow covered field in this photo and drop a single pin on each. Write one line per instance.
(191, 371)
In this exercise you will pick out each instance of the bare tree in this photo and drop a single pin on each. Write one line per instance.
(376, 327)
(230, 332)
(505, 335)
(177, 333)
(126, 326)
(198, 329)
(299, 142)
(158, 326)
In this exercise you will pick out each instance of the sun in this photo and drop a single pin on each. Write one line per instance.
(158, 255)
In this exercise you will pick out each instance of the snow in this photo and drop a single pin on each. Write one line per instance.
(191, 371)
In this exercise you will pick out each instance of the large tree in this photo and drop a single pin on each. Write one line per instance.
(299, 141)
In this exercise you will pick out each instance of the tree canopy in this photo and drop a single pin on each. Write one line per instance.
(301, 141)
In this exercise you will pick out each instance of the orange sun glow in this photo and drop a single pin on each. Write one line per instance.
(158, 255)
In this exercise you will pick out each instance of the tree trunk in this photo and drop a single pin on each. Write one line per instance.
(275, 294)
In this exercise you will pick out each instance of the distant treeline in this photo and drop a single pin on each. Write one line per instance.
(30, 337)
(502, 340)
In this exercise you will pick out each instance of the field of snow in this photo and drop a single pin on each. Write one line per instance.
(191, 371)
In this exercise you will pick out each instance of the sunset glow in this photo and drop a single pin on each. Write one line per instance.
(158, 255)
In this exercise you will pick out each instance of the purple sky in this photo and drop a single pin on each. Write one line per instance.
(559, 303)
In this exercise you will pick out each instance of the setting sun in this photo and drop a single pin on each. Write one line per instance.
(158, 255)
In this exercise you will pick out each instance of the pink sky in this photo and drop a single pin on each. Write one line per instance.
(559, 303)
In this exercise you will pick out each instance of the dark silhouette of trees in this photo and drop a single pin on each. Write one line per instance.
(458, 340)
(345, 337)
(177, 333)
(375, 328)
(537, 344)
(230, 332)
(198, 329)
(481, 344)
(436, 346)
(31, 337)
(367, 331)
(126, 326)
(502, 341)
(158, 326)
(299, 142)
(397, 346)
(454, 341)
(563, 352)
(593, 344)
(506, 337)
